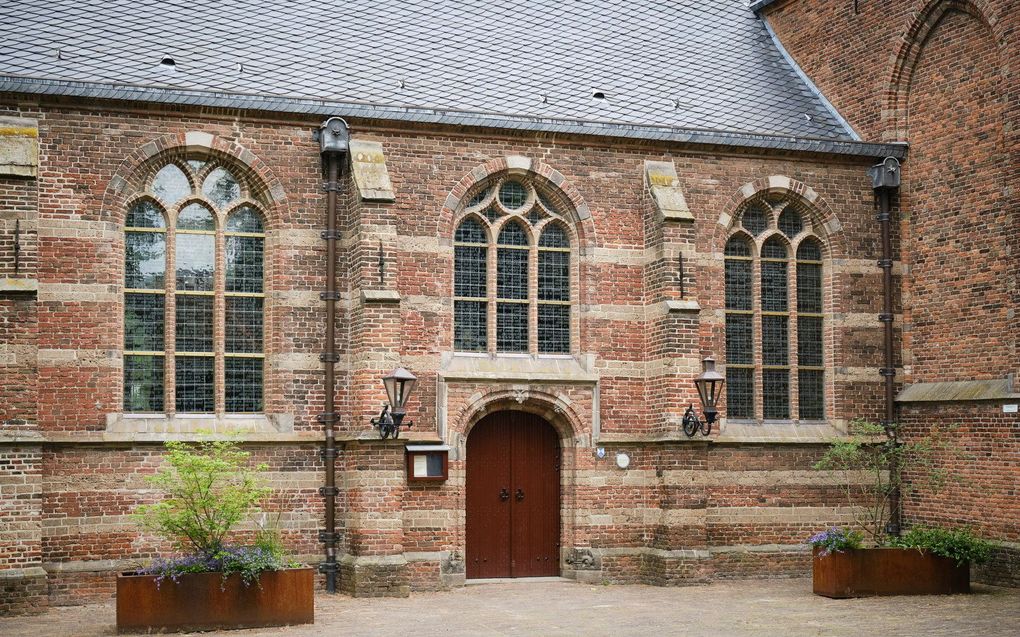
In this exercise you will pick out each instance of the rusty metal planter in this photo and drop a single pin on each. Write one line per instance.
(887, 571)
(205, 601)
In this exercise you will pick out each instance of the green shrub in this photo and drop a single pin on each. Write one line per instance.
(959, 545)
(208, 487)
(870, 466)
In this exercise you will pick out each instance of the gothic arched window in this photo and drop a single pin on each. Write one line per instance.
(766, 378)
(527, 305)
(197, 220)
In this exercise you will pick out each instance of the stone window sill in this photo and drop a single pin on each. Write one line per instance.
(779, 431)
(160, 426)
(513, 367)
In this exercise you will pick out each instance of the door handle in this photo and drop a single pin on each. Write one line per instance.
(504, 495)
(519, 495)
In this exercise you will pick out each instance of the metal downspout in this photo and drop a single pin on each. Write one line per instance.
(885, 182)
(333, 141)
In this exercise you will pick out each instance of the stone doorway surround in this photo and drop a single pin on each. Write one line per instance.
(559, 389)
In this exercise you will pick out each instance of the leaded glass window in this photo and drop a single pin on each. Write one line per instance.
(517, 239)
(512, 289)
(739, 329)
(554, 290)
(811, 369)
(774, 342)
(775, 322)
(144, 307)
(754, 220)
(193, 348)
(789, 222)
(244, 300)
(189, 369)
(512, 194)
(470, 287)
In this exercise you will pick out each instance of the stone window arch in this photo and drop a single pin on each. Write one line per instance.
(194, 291)
(513, 270)
(774, 291)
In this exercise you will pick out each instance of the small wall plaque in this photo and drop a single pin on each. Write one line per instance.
(428, 463)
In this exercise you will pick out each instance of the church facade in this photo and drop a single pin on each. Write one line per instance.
(552, 269)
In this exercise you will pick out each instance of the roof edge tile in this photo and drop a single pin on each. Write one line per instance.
(758, 5)
(93, 90)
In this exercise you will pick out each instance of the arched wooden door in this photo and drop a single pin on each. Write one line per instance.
(513, 497)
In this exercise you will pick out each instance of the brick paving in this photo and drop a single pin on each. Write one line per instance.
(559, 608)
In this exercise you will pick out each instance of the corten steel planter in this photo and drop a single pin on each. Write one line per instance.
(204, 601)
(887, 571)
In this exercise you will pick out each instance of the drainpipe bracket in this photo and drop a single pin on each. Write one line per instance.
(331, 416)
(329, 453)
(329, 296)
(328, 567)
(329, 357)
(330, 234)
(329, 491)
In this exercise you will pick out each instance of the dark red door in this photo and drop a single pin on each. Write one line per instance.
(513, 497)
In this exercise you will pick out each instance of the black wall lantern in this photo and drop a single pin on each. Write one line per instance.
(399, 384)
(709, 384)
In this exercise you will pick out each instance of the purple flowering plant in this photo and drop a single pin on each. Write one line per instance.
(248, 561)
(836, 539)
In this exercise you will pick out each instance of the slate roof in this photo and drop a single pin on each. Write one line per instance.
(697, 65)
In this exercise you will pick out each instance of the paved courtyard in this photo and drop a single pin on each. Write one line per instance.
(768, 607)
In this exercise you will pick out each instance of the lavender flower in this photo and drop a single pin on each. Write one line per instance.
(836, 539)
(248, 561)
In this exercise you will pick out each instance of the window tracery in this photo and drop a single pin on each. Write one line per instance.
(514, 233)
(774, 316)
(197, 220)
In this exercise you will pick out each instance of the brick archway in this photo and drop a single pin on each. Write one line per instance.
(579, 211)
(896, 125)
(147, 158)
(827, 226)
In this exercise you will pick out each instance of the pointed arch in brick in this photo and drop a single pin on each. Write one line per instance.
(551, 178)
(895, 104)
(129, 178)
(806, 200)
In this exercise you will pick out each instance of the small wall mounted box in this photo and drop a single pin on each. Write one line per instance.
(428, 463)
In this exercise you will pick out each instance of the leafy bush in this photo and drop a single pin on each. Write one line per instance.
(871, 466)
(836, 539)
(209, 488)
(959, 545)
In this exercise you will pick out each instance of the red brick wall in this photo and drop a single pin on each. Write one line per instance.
(982, 491)
(939, 74)
(90, 485)
(934, 74)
